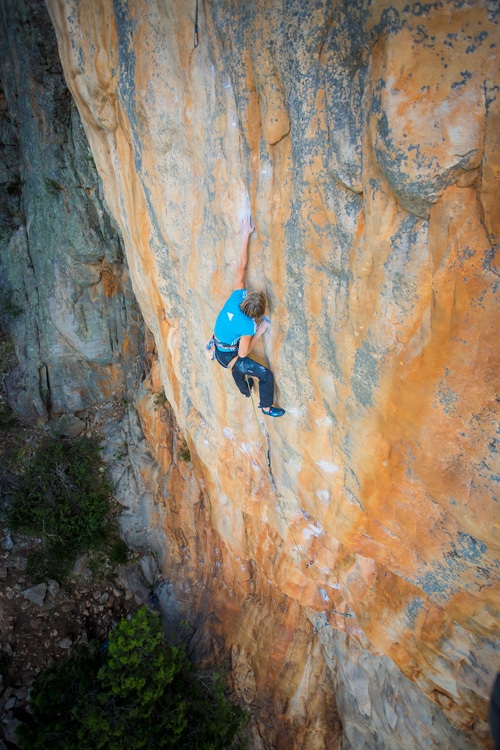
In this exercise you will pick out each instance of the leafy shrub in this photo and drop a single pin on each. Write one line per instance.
(7, 355)
(7, 416)
(184, 454)
(119, 552)
(8, 309)
(160, 399)
(139, 693)
(63, 498)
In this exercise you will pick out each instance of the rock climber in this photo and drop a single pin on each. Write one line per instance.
(236, 331)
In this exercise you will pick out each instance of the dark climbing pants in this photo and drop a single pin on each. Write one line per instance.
(251, 369)
(246, 366)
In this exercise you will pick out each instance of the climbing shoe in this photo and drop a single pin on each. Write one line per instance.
(272, 411)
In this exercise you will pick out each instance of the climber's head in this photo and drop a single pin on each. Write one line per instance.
(254, 304)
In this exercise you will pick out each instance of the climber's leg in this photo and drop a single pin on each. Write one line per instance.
(241, 382)
(247, 366)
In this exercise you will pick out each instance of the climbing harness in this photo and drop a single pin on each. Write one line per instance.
(210, 349)
(196, 39)
(213, 344)
(321, 591)
(225, 347)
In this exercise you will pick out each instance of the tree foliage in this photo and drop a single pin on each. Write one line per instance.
(63, 498)
(138, 693)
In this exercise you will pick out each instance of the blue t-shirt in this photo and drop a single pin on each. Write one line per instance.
(231, 323)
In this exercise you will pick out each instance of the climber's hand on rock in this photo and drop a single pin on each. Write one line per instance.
(247, 226)
(262, 327)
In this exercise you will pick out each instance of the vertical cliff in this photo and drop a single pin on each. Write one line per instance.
(66, 295)
(347, 555)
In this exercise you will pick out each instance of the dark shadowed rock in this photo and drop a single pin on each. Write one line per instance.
(36, 594)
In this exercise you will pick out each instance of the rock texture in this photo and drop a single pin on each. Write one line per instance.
(66, 295)
(345, 556)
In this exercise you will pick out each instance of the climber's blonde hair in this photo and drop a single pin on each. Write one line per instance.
(254, 304)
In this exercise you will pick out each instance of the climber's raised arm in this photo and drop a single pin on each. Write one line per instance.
(247, 229)
(236, 331)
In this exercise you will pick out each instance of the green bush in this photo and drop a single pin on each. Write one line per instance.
(7, 356)
(160, 399)
(119, 552)
(139, 693)
(64, 499)
(184, 454)
(8, 308)
(7, 417)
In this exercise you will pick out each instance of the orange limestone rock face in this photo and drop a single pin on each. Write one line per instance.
(346, 556)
